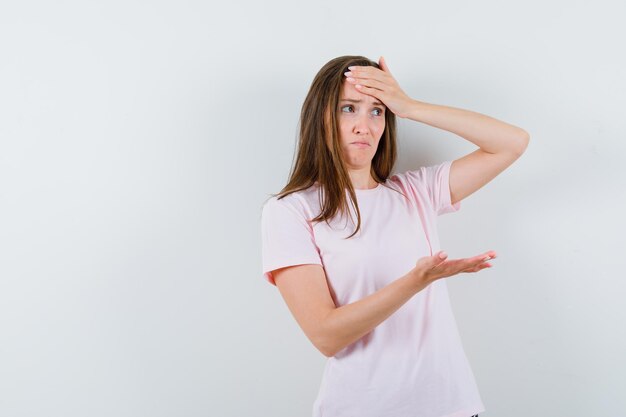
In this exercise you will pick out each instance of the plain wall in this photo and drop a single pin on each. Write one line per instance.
(139, 140)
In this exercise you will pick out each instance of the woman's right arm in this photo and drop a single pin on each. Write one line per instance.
(331, 328)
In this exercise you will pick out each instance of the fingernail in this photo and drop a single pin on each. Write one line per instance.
(443, 255)
(350, 68)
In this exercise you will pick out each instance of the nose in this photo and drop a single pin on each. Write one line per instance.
(361, 124)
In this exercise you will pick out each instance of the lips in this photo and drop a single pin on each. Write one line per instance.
(360, 143)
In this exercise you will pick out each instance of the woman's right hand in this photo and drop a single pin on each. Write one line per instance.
(432, 268)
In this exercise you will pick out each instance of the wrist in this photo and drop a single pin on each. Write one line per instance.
(415, 110)
(417, 279)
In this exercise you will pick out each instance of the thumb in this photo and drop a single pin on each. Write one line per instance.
(438, 258)
(383, 64)
(434, 260)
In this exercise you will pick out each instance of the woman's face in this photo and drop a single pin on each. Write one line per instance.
(361, 124)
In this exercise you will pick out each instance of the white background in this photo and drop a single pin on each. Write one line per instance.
(139, 140)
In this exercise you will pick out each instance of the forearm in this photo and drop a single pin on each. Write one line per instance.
(490, 134)
(348, 323)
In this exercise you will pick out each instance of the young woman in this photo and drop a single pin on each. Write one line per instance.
(368, 292)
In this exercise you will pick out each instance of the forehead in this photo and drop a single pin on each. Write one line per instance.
(349, 91)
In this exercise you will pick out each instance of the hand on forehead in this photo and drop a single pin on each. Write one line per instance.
(380, 84)
(351, 93)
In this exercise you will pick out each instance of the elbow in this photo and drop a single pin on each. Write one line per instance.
(326, 352)
(326, 347)
(325, 341)
(523, 140)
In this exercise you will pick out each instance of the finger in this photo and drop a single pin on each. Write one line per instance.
(462, 265)
(374, 92)
(478, 267)
(368, 83)
(485, 256)
(367, 72)
(482, 260)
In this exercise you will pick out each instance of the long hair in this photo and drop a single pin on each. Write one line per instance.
(319, 157)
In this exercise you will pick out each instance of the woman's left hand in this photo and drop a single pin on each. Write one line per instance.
(380, 84)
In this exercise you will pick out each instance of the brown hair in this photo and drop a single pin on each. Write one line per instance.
(319, 157)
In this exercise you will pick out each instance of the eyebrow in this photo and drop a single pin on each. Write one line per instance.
(358, 101)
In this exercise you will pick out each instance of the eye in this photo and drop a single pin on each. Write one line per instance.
(344, 107)
(379, 110)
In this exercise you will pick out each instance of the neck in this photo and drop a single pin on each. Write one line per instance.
(362, 179)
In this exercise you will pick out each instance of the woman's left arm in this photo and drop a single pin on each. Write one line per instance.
(500, 143)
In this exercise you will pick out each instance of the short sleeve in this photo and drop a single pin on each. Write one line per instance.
(287, 238)
(435, 180)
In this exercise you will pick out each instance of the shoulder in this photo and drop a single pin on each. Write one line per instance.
(302, 202)
(425, 176)
(424, 171)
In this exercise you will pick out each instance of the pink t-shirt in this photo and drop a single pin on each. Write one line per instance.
(413, 363)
